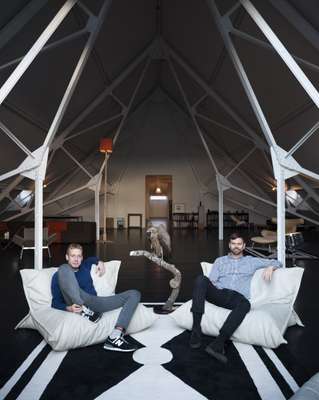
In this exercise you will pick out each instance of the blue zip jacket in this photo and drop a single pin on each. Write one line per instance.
(83, 276)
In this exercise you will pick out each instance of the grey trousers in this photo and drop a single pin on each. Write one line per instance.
(73, 294)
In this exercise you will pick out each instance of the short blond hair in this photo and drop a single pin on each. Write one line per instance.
(74, 246)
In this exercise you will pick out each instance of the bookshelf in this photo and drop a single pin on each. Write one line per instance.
(185, 220)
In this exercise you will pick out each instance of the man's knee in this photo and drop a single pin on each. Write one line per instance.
(64, 269)
(201, 280)
(245, 305)
(135, 294)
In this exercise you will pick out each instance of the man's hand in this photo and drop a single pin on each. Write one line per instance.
(74, 308)
(267, 273)
(100, 269)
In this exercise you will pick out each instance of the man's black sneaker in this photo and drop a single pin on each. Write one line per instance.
(90, 315)
(195, 340)
(219, 355)
(118, 344)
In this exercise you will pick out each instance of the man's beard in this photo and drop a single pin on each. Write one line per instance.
(236, 251)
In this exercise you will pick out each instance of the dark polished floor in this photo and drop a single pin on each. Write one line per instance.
(189, 248)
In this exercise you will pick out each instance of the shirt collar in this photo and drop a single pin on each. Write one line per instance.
(235, 259)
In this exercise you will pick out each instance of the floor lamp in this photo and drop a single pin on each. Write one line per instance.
(106, 147)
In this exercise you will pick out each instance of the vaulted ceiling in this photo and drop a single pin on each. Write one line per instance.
(146, 47)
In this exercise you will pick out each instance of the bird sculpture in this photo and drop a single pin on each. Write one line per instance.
(159, 239)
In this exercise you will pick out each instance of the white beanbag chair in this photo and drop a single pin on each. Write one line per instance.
(65, 330)
(271, 309)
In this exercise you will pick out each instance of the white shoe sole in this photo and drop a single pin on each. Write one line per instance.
(111, 348)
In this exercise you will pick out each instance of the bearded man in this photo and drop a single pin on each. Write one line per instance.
(227, 286)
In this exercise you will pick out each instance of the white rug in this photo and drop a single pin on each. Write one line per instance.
(163, 368)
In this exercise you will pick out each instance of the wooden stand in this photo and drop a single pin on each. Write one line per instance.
(174, 283)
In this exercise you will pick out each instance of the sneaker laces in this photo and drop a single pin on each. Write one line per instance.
(121, 337)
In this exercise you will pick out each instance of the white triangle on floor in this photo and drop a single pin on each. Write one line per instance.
(163, 330)
(151, 382)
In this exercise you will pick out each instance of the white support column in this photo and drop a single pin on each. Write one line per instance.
(95, 185)
(38, 221)
(281, 214)
(97, 207)
(105, 194)
(38, 212)
(220, 209)
(38, 174)
(281, 174)
(222, 185)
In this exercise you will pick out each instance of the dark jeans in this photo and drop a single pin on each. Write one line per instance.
(226, 298)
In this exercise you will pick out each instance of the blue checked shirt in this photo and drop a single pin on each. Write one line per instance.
(236, 273)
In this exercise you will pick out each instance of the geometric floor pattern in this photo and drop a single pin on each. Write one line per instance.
(163, 368)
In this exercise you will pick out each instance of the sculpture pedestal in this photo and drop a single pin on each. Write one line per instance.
(161, 310)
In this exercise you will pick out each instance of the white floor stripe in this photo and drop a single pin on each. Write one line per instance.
(282, 369)
(264, 382)
(21, 370)
(43, 376)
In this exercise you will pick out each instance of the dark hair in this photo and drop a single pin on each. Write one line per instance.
(235, 236)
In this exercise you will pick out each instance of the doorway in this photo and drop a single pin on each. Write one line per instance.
(158, 200)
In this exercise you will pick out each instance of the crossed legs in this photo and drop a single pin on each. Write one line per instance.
(73, 294)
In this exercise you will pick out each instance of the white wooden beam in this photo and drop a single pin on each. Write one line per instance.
(35, 49)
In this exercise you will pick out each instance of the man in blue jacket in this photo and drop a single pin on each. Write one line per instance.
(73, 291)
(228, 286)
